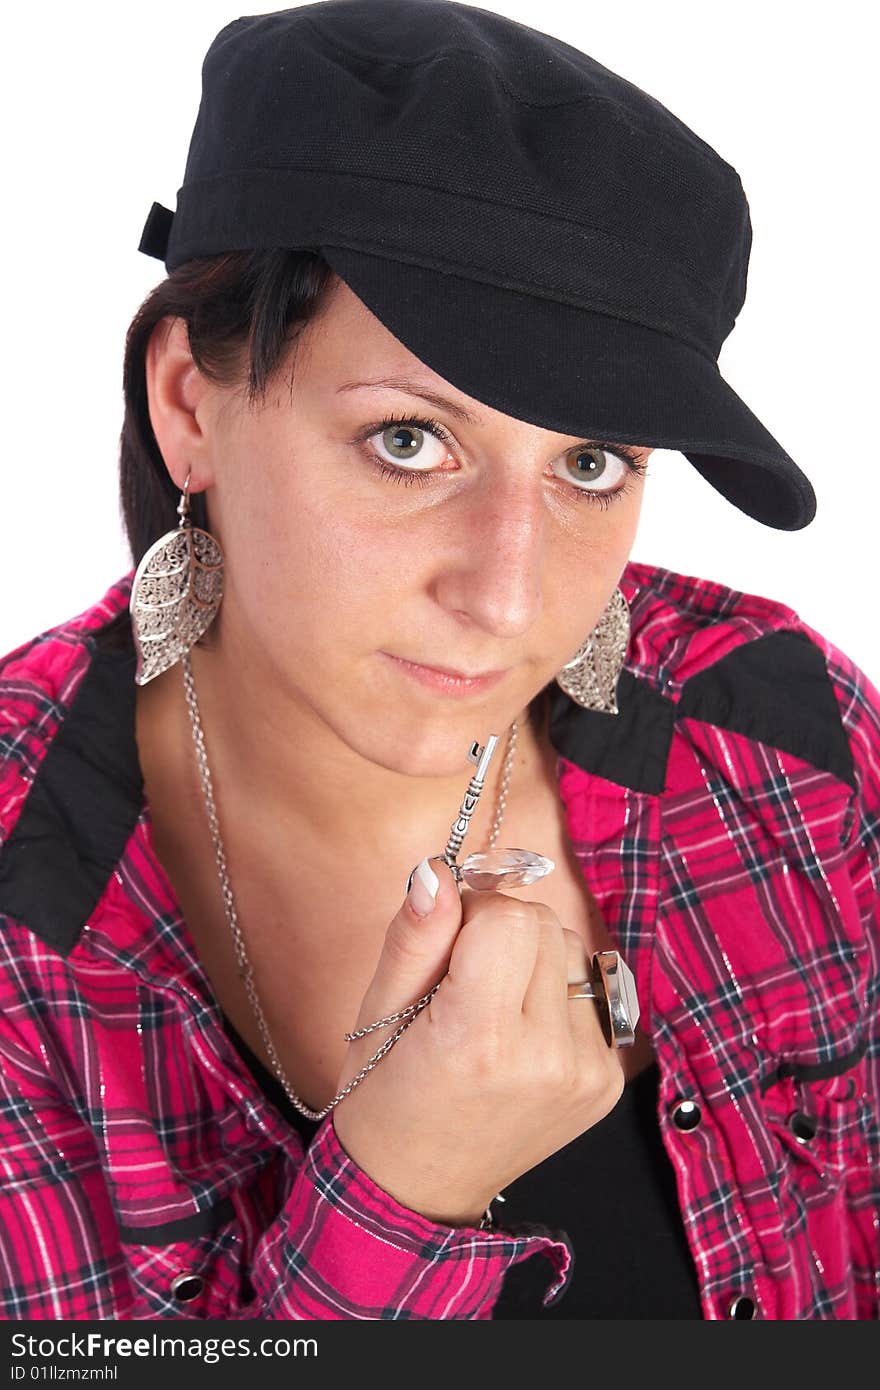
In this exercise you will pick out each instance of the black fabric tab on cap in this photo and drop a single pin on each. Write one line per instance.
(157, 229)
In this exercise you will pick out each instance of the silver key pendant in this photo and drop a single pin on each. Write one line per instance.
(493, 868)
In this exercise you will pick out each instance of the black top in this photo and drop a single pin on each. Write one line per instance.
(612, 1189)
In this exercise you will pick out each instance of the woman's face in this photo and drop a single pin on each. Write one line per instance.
(491, 543)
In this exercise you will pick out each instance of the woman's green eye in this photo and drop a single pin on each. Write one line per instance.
(595, 469)
(402, 441)
(588, 464)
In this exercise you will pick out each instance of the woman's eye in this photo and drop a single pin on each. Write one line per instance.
(594, 469)
(407, 444)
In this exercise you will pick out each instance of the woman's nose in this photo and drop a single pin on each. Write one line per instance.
(494, 559)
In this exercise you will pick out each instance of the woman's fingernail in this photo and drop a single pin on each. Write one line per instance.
(423, 892)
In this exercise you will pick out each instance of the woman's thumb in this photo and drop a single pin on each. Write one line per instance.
(418, 943)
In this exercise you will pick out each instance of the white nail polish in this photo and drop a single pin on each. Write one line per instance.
(423, 893)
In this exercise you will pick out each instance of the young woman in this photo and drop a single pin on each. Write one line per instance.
(438, 283)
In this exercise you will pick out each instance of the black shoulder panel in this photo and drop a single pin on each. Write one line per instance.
(630, 748)
(776, 690)
(81, 808)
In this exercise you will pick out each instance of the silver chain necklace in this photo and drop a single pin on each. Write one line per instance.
(245, 969)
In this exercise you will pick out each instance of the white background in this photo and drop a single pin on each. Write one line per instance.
(97, 108)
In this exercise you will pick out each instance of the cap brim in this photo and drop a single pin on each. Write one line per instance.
(578, 371)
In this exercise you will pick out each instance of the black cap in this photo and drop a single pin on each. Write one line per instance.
(540, 232)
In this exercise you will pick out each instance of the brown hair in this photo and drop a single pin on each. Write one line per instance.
(241, 311)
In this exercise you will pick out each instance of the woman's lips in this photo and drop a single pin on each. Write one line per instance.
(449, 684)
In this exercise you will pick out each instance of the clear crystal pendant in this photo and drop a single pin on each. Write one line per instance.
(502, 868)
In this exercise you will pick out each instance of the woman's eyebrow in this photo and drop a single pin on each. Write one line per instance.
(414, 388)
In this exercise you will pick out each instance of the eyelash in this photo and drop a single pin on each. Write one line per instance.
(408, 476)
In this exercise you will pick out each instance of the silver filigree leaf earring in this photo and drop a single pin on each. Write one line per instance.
(591, 677)
(175, 594)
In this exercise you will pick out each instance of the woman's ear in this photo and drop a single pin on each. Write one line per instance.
(177, 399)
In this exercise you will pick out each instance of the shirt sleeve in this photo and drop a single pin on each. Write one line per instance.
(344, 1248)
(339, 1247)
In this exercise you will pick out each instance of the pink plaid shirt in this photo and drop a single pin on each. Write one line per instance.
(728, 823)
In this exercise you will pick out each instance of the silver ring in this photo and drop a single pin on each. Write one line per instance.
(614, 990)
(582, 990)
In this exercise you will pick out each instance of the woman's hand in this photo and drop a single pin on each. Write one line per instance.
(497, 1072)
